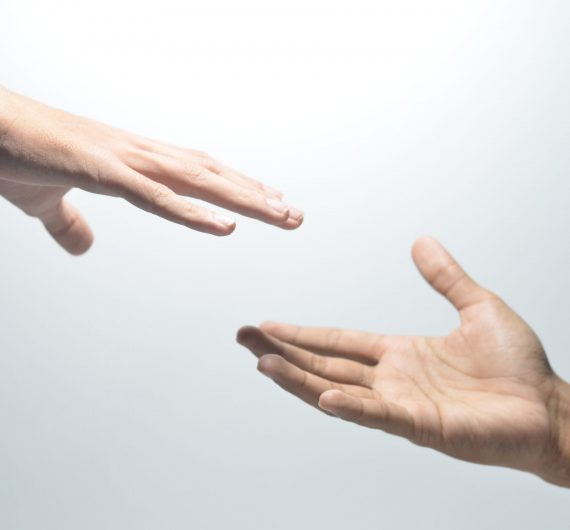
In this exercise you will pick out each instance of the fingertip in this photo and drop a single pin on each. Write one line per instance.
(423, 243)
(81, 245)
(292, 224)
(282, 214)
(427, 253)
(270, 365)
(245, 333)
(332, 400)
(423, 239)
(244, 329)
(446, 276)
(276, 210)
(71, 232)
(224, 226)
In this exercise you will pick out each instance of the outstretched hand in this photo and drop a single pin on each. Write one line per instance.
(45, 152)
(485, 393)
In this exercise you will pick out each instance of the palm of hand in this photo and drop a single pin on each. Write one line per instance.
(37, 201)
(479, 394)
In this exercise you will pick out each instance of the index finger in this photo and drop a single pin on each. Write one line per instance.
(160, 200)
(356, 345)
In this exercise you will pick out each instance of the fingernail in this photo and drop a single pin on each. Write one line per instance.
(295, 214)
(277, 205)
(222, 219)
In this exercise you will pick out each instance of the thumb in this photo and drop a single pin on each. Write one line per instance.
(445, 275)
(68, 227)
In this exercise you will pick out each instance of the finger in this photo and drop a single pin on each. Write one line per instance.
(193, 179)
(333, 369)
(369, 412)
(210, 163)
(240, 178)
(292, 224)
(445, 275)
(213, 188)
(68, 227)
(302, 384)
(356, 345)
(296, 216)
(162, 201)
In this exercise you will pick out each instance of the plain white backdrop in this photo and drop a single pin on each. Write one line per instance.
(124, 401)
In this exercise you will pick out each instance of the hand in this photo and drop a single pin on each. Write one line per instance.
(485, 393)
(45, 152)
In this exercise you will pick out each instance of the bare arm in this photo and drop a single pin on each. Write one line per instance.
(44, 152)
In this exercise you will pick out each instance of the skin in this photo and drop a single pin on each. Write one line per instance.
(45, 152)
(485, 393)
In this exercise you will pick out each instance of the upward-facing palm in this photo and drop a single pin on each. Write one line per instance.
(481, 394)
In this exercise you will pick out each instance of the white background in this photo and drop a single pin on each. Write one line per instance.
(125, 403)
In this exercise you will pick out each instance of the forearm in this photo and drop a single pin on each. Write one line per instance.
(23, 124)
(21, 133)
(36, 146)
(8, 114)
(558, 470)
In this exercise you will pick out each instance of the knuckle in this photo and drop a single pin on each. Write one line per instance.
(246, 198)
(205, 158)
(200, 160)
(333, 338)
(154, 166)
(159, 196)
(192, 210)
(196, 172)
(447, 276)
(358, 415)
(377, 347)
(301, 383)
(213, 166)
(318, 364)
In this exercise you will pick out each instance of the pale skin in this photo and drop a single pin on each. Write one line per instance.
(485, 393)
(45, 152)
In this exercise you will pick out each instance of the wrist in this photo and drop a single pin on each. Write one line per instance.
(557, 470)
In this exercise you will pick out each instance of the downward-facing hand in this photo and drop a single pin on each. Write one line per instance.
(45, 152)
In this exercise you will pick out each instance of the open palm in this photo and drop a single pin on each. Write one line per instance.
(480, 394)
